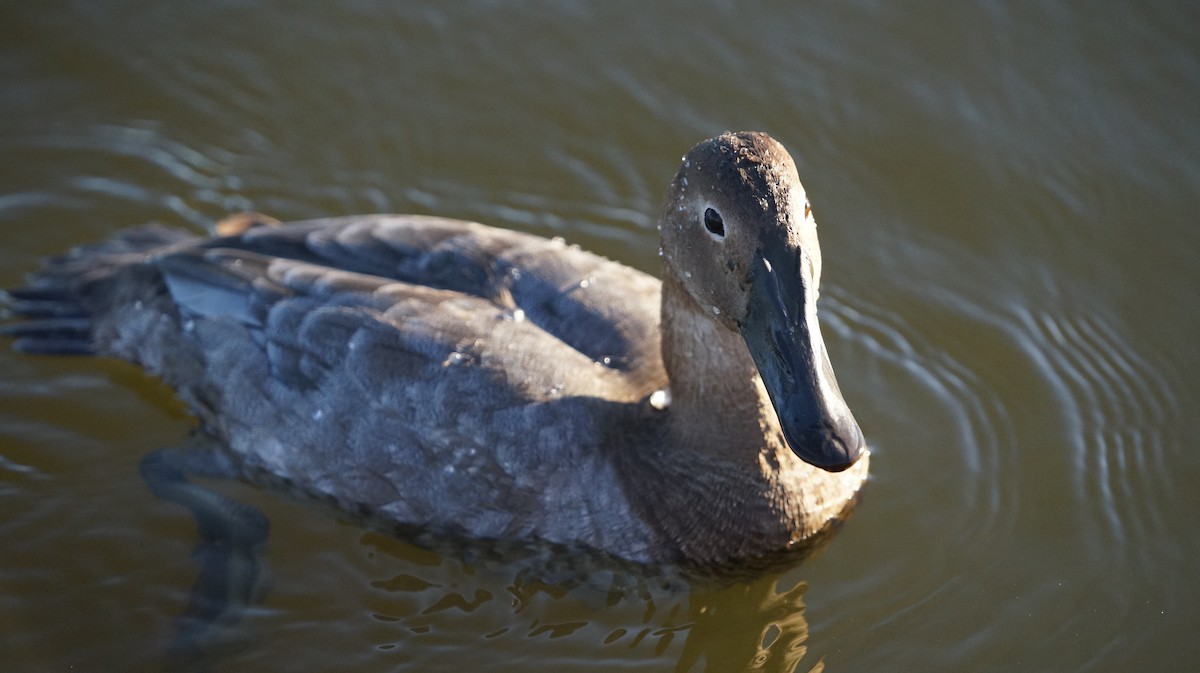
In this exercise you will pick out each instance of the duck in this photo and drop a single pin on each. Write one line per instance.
(495, 385)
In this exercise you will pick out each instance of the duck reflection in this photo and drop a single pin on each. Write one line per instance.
(578, 611)
(449, 602)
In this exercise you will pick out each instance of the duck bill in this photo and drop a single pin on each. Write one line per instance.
(784, 338)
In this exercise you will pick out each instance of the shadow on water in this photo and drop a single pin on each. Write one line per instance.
(445, 601)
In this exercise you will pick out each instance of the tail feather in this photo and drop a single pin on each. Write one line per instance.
(52, 335)
(64, 298)
(42, 303)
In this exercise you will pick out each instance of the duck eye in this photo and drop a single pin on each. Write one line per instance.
(713, 223)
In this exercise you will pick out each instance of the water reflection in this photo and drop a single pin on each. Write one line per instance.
(440, 610)
(610, 617)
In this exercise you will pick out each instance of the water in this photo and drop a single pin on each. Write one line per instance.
(1007, 201)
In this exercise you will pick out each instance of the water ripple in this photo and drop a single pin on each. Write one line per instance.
(1118, 403)
(131, 164)
(983, 440)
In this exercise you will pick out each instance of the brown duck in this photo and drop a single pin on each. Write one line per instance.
(481, 382)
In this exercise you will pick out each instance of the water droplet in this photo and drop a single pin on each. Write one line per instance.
(318, 414)
(716, 311)
(189, 325)
(515, 273)
(517, 315)
(587, 282)
(660, 399)
(687, 274)
(767, 262)
(606, 360)
(138, 304)
(454, 358)
(683, 181)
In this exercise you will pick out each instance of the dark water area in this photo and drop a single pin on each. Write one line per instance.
(1007, 199)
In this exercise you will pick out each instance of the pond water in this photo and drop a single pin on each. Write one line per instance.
(1008, 202)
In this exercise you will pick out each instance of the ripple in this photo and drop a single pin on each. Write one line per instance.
(1117, 403)
(1058, 448)
(978, 417)
(129, 164)
(151, 145)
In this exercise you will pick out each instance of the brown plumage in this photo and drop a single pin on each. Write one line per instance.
(490, 383)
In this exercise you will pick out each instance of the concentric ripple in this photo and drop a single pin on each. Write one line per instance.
(1118, 404)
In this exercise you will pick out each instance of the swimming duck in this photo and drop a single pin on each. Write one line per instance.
(494, 384)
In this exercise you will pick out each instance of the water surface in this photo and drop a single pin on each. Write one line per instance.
(1007, 201)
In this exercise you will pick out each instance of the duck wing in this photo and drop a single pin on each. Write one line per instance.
(373, 359)
(603, 310)
(424, 370)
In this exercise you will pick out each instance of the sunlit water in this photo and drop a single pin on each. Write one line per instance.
(1008, 207)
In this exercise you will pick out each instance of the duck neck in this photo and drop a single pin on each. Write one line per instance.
(719, 406)
(724, 449)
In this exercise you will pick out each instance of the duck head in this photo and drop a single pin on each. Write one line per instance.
(741, 241)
